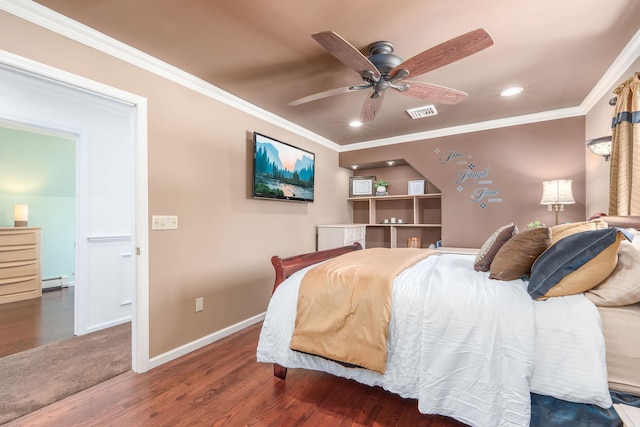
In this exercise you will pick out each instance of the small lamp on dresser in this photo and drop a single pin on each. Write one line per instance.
(20, 215)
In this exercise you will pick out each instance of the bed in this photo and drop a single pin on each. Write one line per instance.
(475, 346)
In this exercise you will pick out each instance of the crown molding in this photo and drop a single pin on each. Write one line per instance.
(614, 73)
(65, 26)
(473, 127)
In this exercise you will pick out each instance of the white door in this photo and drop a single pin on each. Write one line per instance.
(105, 212)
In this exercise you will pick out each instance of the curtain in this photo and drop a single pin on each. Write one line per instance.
(624, 192)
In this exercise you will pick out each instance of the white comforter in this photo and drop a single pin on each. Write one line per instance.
(466, 346)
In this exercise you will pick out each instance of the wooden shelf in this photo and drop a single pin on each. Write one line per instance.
(398, 197)
(404, 225)
(420, 213)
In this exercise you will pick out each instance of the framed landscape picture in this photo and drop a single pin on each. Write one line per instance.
(361, 186)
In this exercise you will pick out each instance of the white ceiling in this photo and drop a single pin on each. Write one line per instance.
(262, 51)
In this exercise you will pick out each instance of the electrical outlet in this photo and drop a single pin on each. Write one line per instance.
(199, 304)
(164, 222)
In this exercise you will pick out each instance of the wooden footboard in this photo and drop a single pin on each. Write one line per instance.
(619, 221)
(285, 267)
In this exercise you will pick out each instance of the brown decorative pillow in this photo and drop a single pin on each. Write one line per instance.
(563, 230)
(622, 287)
(492, 245)
(517, 255)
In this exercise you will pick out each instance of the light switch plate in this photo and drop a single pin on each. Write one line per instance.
(164, 222)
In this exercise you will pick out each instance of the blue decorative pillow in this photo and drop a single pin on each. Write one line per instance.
(576, 263)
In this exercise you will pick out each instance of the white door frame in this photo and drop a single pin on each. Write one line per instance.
(140, 322)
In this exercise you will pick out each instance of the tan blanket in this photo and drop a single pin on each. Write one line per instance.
(344, 306)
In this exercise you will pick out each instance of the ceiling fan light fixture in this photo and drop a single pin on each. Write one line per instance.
(382, 70)
(511, 91)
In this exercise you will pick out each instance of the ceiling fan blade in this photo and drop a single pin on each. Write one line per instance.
(346, 53)
(433, 93)
(445, 53)
(371, 107)
(327, 93)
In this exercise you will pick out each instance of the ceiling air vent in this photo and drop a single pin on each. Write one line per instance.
(422, 112)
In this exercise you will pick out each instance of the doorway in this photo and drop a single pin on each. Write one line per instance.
(111, 231)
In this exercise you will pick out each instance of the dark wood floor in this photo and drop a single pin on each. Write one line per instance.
(31, 323)
(223, 385)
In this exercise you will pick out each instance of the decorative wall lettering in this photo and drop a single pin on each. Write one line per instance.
(482, 193)
(470, 178)
(447, 157)
(467, 174)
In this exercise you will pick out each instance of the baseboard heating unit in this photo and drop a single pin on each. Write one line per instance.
(55, 283)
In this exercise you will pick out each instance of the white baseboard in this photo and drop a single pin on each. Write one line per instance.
(109, 324)
(204, 341)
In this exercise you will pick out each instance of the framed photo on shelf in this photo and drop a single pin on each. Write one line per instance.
(361, 186)
(416, 187)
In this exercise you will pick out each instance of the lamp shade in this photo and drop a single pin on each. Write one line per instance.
(557, 192)
(20, 215)
(600, 146)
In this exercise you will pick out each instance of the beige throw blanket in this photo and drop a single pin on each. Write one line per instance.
(344, 306)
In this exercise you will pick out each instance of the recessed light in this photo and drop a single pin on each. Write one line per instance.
(354, 167)
(390, 162)
(355, 123)
(511, 91)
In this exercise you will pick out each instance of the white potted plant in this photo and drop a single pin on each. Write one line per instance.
(381, 187)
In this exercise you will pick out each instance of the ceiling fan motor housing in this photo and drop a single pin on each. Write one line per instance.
(382, 57)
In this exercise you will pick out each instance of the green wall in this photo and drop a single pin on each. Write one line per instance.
(39, 170)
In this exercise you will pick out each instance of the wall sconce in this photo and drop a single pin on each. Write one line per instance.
(600, 146)
(20, 215)
(556, 193)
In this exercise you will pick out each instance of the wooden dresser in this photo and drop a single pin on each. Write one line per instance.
(20, 276)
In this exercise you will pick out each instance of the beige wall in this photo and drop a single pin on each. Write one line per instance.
(199, 164)
(598, 123)
(199, 160)
(517, 159)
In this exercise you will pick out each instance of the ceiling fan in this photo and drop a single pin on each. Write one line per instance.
(383, 70)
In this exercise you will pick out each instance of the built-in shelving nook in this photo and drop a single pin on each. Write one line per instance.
(393, 219)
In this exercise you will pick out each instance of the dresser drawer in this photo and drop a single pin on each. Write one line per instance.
(20, 284)
(18, 269)
(353, 234)
(15, 238)
(11, 254)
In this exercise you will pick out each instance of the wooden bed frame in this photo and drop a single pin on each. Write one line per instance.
(285, 267)
(630, 221)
